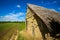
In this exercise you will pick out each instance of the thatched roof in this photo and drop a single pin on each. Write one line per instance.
(45, 14)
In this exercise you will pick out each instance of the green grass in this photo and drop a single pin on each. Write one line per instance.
(8, 25)
(21, 26)
(20, 37)
(4, 26)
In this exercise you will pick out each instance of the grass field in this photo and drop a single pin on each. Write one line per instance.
(9, 25)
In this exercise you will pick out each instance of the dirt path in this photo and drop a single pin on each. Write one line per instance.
(14, 36)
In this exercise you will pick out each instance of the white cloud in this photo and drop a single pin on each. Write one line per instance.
(42, 2)
(54, 2)
(13, 17)
(53, 10)
(51, 2)
(59, 8)
(18, 6)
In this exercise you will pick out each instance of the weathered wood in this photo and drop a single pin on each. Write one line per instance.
(44, 21)
(32, 26)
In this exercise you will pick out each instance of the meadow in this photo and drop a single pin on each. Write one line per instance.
(7, 28)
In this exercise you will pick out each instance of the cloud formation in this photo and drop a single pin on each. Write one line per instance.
(13, 17)
(18, 6)
(59, 8)
(53, 2)
(53, 10)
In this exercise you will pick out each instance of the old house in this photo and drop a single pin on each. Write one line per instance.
(41, 21)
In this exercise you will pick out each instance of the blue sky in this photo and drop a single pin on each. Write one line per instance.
(15, 10)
